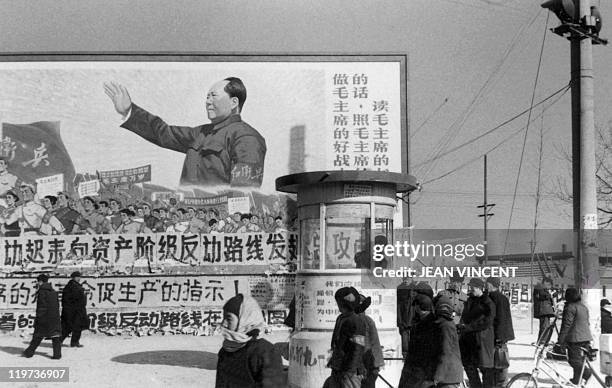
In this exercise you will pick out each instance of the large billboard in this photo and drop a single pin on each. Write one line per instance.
(151, 128)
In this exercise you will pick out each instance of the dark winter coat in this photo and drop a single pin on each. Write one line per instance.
(477, 341)
(457, 298)
(424, 346)
(450, 368)
(575, 324)
(606, 322)
(502, 325)
(290, 319)
(74, 313)
(406, 316)
(542, 303)
(47, 321)
(348, 344)
(373, 356)
(256, 365)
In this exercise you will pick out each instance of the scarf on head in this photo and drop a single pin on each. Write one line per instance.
(250, 319)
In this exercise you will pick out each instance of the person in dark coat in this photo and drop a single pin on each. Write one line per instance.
(246, 361)
(606, 316)
(47, 322)
(424, 347)
(456, 296)
(502, 327)
(575, 333)
(348, 343)
(477, 338)
(373, 359)
(543, 307)
(449, 369)
(74, 313)
(406, 316)
(290, 319)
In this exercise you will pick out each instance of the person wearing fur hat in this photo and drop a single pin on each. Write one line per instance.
(74, 312)
(348, 343)
(424, 347)
(246, 361)
(502, 326)
(373, 359)
(575, 333)
(456, 296)
(47, 322)
(477, 338)
(449, 369)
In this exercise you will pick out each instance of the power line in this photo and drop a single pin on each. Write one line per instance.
(490, 149)
(429, 118)
(537, 199)
(562, 90)
(452, 132)
(489, 193)
(518, 175)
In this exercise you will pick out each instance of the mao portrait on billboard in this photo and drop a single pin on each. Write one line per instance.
(182, 137)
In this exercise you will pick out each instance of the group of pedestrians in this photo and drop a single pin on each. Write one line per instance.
(50, 324)
(453, 332)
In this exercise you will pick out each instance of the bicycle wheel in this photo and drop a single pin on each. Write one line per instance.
(522, 380)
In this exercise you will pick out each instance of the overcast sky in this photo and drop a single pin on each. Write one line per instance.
(481, 55)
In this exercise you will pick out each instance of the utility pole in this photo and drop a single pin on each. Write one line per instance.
(485, 206)
(581, 23)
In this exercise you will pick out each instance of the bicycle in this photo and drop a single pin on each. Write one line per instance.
(543, 365)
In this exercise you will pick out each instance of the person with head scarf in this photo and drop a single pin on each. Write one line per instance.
(47, 322)
(423, 349)
(575, 333)
(449, 369)
(246, 361)
(74, 312)
(373, 359)
(348, 343)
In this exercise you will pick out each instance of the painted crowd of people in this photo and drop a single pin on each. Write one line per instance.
(27, 215)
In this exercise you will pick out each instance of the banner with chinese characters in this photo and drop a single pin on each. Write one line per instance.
(205, 201)
(50, 185)
(147, 252)
(157, 291)
(130, 175)
(36, 150)
(331, 112)
(192, 321)
(88, 188)
(364, 117)
(180, 303)
(135, 292)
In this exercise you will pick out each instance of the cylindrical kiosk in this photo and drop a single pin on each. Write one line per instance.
(342, 215)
